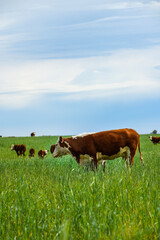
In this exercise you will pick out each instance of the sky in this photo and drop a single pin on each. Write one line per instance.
(74, 66)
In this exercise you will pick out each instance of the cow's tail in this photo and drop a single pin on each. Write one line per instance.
(141, 158)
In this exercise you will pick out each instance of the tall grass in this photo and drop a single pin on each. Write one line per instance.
(57, 199)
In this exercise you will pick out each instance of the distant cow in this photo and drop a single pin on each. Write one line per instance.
(42, 153)
(96, 147)
(52, 148)
(33, 134)
(155, 140)
(31, 152)
(20, 149)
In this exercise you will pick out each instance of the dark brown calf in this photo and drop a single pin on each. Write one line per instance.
(42, 153)
(31, 152)
(33, 134)
(155, 140)
(20, 149)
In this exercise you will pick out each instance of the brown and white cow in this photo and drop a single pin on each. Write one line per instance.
(31, 152)
(96, 147)
(52, 148)
(155, 140)
(42, 153)
(33, 134)
(19, 148)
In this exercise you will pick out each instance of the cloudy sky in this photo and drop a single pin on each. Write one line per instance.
(74, 66)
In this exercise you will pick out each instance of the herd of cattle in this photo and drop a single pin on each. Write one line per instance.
(94, 148)
(21, 149)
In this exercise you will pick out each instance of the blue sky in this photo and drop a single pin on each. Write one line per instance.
(68, 67)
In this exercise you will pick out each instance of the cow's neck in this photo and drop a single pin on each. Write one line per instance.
(75, 154)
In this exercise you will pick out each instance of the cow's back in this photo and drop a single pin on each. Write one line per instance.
(105, 142)
(110, 142)
(23, 147)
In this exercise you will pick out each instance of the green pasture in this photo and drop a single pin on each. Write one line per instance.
(57, 199)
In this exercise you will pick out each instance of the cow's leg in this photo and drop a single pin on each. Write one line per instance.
(141, 158)
(127, 161)
(127, 157)
(95, 162)
(23, 152)
(133, 152)
(92, 165)
(77, 158)
(104, 165)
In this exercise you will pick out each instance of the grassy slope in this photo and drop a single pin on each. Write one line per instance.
(57, 199)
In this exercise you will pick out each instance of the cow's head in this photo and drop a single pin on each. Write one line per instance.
(12, 147)
(61, 148)
(150, 137)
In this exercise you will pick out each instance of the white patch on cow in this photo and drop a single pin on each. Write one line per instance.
(124, 153)
(85, 160)
(82, 135)
(150, 137)
(68, 145)
(46, 151)
(60, 151)
(12, 147)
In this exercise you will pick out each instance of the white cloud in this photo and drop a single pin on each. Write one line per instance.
(127, 4)
(34, 28)
(102, 20)
(5, 22)
(122, 72)
(17, 100)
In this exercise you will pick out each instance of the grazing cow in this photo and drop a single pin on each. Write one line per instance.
(31, 152)
(52, 148)
(42, 153)
(20, 149)
(96, 147)
(155, 140)
(33, 134)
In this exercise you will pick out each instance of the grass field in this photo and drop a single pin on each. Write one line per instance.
(57, 199)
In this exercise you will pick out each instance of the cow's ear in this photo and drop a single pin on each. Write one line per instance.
(60, 140)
